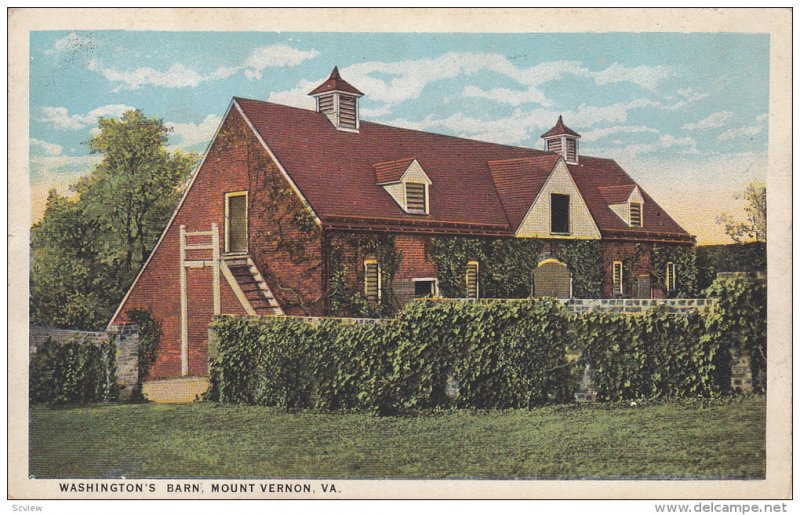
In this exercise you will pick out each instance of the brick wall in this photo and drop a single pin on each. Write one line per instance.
(158, 287)
(285, 242)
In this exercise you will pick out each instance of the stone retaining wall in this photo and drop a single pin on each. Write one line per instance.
(629, 306)
(124, 336)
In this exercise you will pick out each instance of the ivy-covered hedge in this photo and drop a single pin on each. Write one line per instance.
(436, 354)
(739, 257)
(482, 355)
(742, 321)
(657, 354)
(78, 372)
(149, 339)
(488, 354)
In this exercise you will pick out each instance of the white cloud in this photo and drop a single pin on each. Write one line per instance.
(297, 97)
(71, 42)
(181, 76)
(374, 111)
(191, 134)
(58, 173)
(690, 95)
(49, 167)
(274, 56)
(177, 76)
(744, 132)
(48, 148)
(59, 117)
(665, 142)
(713, 121)
(391, 83)
(508, 96)
(647, 77)
(524, 126)
(597, 134)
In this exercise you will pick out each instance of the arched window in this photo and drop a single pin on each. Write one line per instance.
(670, 276)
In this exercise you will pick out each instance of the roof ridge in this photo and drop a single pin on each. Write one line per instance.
(367, 122)
(393, 161)
(544, 153)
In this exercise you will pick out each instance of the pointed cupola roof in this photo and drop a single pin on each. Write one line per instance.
(336, 83)
(560, 129)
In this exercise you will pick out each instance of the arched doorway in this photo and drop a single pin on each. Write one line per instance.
(551, 278)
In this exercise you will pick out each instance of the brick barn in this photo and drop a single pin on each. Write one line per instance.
(300, 212)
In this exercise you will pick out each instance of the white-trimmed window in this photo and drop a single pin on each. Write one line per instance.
(416, 197)
(617, 277)
(372, 280)
(636, 214)
(426, 287)
(473, 288)
(670, 276)
(236, 222)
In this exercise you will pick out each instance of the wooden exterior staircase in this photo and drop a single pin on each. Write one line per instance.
(253, 292)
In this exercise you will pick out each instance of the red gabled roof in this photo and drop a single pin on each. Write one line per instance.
(333, 168)
(335, 83)
(477, 186)
(616, 194)
(518, 182)
(593, 173)
(391, 171)
(560, 129)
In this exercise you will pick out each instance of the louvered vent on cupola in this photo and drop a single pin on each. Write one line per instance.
(562, 140)
(338, 100)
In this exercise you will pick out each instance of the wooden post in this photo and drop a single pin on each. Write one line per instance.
(184, 306)
(215, 268)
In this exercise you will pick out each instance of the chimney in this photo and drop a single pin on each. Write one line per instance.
(338, 100)
(562, 140)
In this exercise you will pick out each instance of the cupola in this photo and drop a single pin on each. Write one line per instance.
(562, 140)
(338, 100)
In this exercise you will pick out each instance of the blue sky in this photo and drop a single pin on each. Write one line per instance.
(684, 114)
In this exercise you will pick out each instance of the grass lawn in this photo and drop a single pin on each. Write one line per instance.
(680, 439)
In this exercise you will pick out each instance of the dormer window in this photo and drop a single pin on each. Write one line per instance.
(407, 183)
(627, 201)
(416, 197)
(635, 214)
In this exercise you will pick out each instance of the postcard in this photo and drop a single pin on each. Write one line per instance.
(402, 253)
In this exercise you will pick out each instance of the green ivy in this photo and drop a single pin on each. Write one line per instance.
(505, 264)
(346, 255)
(149, 339)
(739, 257)
(742, 321)
(583, 258)
(482, 354)
(80, 372)
(487, 354)
(654, 355)
(685, 260)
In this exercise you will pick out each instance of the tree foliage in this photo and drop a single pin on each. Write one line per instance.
(87, 249)
(755, 227)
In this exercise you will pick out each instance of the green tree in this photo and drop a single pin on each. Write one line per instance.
(86, 250)
(755, 227)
